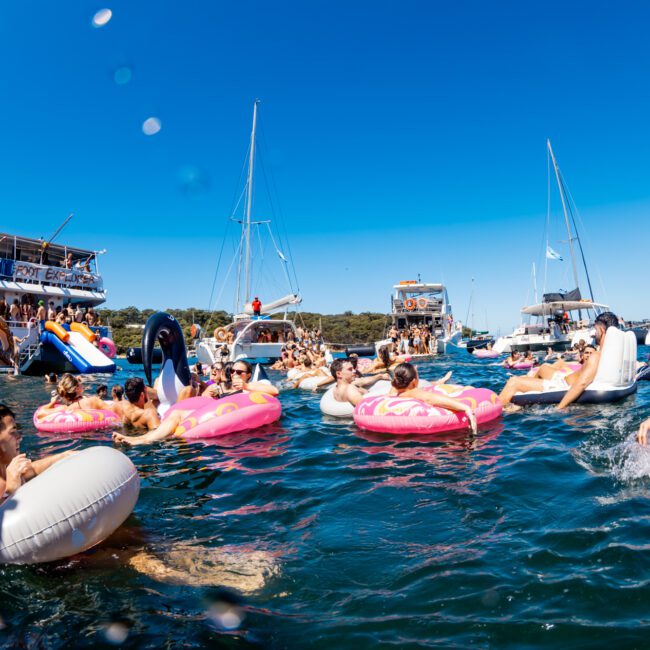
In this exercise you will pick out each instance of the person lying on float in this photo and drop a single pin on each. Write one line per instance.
(349, 387)
(241, 371)
(16, 468)
(575, 383)
(70, 389)
(405, 384)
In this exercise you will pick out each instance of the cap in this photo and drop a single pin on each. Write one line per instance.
(40, 302)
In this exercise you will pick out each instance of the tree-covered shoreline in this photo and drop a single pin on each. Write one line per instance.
(345, 328)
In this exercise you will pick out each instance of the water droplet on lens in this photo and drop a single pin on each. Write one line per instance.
(116, 633)
(226, 616)
(122, 75)
(102, 17)
(151, 126)
(193, 181)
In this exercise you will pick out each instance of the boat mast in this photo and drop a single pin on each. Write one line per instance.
(566, 215)
(249, 203)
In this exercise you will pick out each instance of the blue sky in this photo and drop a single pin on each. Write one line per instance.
(403, 138)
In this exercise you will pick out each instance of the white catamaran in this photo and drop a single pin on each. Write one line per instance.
(563, 317)
(250, 335)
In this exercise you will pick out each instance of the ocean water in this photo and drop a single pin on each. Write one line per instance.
(311, 533)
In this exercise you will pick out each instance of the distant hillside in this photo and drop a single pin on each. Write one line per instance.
(336, 328)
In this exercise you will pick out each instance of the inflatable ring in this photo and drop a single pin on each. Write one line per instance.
(210, 418)
(74, 505)
(195, 331)
(422, 303)
(410, 304)
(520, 365)
(74, 420)
(221, 334)
(403, 415)
(107, 346)
(481, 353)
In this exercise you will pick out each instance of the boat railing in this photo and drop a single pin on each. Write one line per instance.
(30, 273)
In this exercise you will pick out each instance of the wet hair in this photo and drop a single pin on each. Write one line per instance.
(133, 388)
(6, 411)
(337, 365)
(67, 387)
(384, 354)
(117, 392)
(607, 319)
(102, 388)
(306, 362)
(51, 378)
(226, 374)
(403, 375)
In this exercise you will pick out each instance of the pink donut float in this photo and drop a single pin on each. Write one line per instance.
(481, 353)
(401, 415)
(520, 365)
(107, 346)
(74, 420)
(210, 418)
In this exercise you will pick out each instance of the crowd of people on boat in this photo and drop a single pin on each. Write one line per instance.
(415, 339)
(29, 308)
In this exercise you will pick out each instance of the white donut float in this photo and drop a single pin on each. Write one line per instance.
(72, 506)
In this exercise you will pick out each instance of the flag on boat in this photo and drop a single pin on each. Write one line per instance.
(552, 255)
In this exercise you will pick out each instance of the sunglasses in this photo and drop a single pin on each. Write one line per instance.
(240, 372)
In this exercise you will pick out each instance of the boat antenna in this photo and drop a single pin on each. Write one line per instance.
(566, 215)
(60, 228)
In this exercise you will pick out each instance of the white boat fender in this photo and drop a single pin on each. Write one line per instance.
(72, 506)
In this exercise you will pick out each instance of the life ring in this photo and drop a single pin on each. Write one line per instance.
(107, 346)
(74, 505)
(422, 303)
(410, 304)
(403, 415)
(195, 331)
(210, 418)
(221, 334)
(74, 420)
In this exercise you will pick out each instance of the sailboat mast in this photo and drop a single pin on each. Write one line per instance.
(249, 203)
(566, 215)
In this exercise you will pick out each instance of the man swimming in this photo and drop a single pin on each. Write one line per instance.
(16, 468)
(348, 387)
(575, 383)
(135, 410)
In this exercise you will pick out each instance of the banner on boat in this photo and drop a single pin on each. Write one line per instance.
(54, 275)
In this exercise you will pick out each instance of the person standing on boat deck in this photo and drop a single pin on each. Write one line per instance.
(16, 468)
(40, 312)
(257, 307)
(51, 312)
(14, 311)
(574, 383)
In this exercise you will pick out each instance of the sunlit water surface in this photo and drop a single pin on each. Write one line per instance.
(312, 533)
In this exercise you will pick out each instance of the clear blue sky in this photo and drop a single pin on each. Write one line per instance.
(404, 138)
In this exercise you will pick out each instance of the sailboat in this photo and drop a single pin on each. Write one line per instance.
(564, 317)
(251, 335)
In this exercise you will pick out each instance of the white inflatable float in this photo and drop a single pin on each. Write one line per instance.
(614, 380)
(72, 506)
(329, 405)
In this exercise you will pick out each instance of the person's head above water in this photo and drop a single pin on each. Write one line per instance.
(9, 435)
(134, 388)
(70, 388)
(604, 321)
(403, 376)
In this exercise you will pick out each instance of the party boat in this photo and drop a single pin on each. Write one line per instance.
(58, 276)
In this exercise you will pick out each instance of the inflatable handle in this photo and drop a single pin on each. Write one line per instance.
(84, 330)
(165, 329)
(57, 330)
